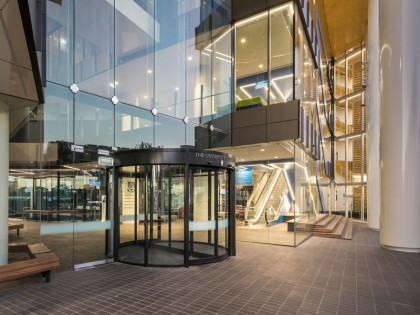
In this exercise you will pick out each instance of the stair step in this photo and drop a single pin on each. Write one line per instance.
(348, 230)
(329, 227)
(325, 221)
(338, 230)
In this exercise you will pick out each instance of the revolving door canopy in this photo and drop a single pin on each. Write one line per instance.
(173, 207)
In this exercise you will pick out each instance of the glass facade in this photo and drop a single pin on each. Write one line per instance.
(172, 74)
(264, 58)
(350, 128)
(104, 76)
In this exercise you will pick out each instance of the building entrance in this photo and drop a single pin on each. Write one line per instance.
(173, 207)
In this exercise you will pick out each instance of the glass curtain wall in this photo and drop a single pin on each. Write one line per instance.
(350, 128)
(264, 58)
(104, 77)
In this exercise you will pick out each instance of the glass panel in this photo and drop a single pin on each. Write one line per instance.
(166, 229)
(94, 46)
(281, 55)
(340, 78)
(57, 115)
(94, 120)
(354, 114)
(170, 57)
(306, 194)
(223, 215)
(222, 70)
(132, 205)
(90, 215)
(354, 158)
(354, 71)
(169, 132)
(202, 214)
(199, 52)
(134, 52)
(60, 42)
(133, 127)
(340, 160)
(251, 62)
(340, 200)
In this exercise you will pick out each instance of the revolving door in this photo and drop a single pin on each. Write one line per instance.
(173, 207)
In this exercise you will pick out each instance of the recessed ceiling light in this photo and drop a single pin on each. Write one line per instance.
(149, 71)
(276, 157)
(260, 66)
(243, 40)
(262, 150)
(145, 96)
(189, 58)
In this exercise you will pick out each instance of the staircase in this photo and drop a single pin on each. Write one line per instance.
(334, 226)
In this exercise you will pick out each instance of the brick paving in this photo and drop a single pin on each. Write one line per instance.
(321, 276)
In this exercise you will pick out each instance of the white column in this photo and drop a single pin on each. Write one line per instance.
(373, 106)
(4, 186)
(400, 124)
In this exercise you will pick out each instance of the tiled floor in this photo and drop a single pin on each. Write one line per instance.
(321, 276)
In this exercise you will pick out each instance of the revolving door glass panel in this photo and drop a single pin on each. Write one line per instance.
(151, 215)
(209, 215)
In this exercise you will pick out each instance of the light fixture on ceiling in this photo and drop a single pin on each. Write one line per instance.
(243, 40)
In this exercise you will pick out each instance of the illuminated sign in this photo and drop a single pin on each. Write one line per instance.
(244, 176)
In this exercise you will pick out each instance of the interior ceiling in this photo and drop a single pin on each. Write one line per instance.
(344, 22)
(261, 152)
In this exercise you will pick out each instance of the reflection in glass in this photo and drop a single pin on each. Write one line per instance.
(251, 60)
(281, 55)
(169, 132)
(58, 114)
(59, 44)
(94, 46)
(170, 57)
(133, 127)
(134, 61)
(202, 223)
(94, 120)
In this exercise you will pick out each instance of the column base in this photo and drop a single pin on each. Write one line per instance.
(402, 249)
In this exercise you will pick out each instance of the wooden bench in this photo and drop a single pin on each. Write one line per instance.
(42, 260)
(16, 226)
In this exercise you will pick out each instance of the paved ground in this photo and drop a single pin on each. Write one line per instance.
(322, 276)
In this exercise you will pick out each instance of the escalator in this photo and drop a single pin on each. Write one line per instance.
(271, 200)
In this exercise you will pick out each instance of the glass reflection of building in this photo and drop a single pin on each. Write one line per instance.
(172, 74)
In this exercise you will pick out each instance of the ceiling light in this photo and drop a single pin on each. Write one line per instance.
(149, 71)
(243, 40)
(189, 58)
(260, 66)
(262, 150)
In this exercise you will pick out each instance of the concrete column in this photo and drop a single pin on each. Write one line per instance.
(4, 186)
(373, 106)
(400, 124)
